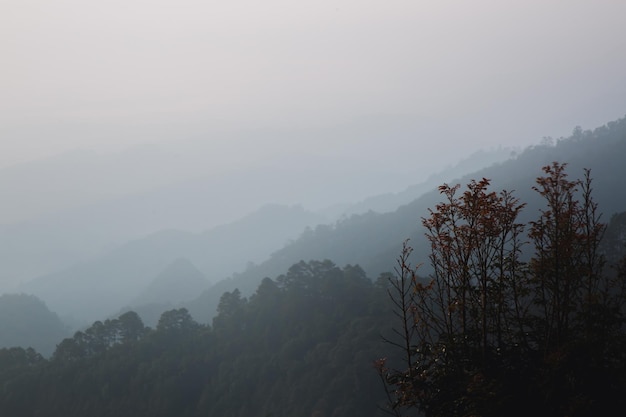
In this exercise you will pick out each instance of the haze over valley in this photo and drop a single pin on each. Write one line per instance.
(204, 208)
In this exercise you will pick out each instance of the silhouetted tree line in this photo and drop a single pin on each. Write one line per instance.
(516, 319)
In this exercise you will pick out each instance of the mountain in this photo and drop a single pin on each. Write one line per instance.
(383, 203)
(59, 239)
(124, 271)
(101, 286)
(179, 281)
(241, 253)
(373, 240)
(25, 321)
(77, 205)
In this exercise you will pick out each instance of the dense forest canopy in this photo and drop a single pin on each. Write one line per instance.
(301, 345)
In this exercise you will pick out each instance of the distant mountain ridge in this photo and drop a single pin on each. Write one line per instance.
(122, 272)
(86, 217)
(373, 240)
(26, 321)
(79, 205)
(391, 201)
(270, 240)
(180, 281)
(96, 288)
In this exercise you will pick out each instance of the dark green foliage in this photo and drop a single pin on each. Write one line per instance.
(301, 345)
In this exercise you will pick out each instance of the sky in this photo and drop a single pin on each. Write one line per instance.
(104, 75)
(349, 98)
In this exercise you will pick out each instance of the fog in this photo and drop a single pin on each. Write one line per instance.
(104, 75)
(121, 119)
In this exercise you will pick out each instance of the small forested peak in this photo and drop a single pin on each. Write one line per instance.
(26, 321)
(180, 281)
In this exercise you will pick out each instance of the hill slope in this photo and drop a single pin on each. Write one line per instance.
(373, 240)
(94, 289)
(25, 321)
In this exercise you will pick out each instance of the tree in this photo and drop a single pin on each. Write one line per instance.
(230, 311)
(484, 314)
(566, 268)
(176, 320)
(130, 327)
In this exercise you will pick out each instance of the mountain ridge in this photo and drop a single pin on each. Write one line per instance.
(373, 240)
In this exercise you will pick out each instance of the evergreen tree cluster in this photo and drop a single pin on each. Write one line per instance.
(301, 345)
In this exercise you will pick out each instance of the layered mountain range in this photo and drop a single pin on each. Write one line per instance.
(108, 255)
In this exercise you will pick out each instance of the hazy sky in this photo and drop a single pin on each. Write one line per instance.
(104, 74)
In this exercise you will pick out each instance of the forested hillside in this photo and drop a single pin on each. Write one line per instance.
(322, 340)
(117, 279)
(313, 331)
(302, 345)
(373, 240)
(312, 208)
